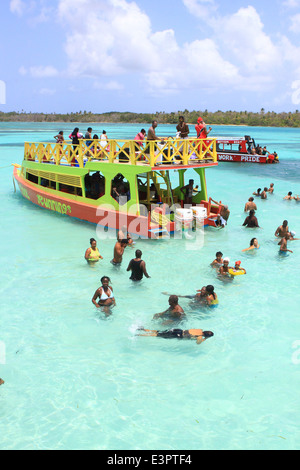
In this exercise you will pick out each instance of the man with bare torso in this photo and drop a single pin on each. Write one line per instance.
(250, 205)
(174, 312)
(282, 230)
(119, 251)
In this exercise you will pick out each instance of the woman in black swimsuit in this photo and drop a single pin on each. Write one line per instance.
(197, 334)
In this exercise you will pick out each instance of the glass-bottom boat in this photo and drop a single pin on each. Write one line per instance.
(122, 184)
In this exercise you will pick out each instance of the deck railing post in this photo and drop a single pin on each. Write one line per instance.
(152, 152)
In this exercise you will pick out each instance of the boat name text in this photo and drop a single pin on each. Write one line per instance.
(54, 205)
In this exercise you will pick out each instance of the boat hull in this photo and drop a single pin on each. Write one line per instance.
(102, 216)
(241, 158)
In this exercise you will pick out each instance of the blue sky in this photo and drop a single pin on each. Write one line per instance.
(119, 55)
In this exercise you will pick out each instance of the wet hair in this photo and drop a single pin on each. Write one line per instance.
(219, 253)
(252, 241)
(208, 334)
(138, 253)
(252, 212)
(104, 277)
(290, 193)
(265, 189)
(210, 290)
(173, 299)
(259, 190)
(285, 223)
(92, 240)
(251, 199)
(124, 240)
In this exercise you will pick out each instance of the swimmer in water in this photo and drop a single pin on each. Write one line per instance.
(237, 267)
(199, 297)
(254, 245)
(174, 312)
(197, 334)
(291, 236)
(289, 196)
(218, 261)
(282, 230)
(119, 251)
(211, 296)
(283, 245)
(224, 269)
(258, 193)
(271, 188)
(105, 295)
(92, 254)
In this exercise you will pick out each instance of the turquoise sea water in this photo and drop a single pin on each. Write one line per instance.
(75, 379)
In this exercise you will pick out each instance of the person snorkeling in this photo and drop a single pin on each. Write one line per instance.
(199, 335)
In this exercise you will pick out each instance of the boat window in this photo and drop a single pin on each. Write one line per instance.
(120, 189)
(32, 178)
(94, 185)
(227, 147)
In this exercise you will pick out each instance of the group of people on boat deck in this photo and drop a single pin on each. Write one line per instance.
(182, 132)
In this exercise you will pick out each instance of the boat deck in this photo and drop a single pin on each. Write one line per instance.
(168, 154)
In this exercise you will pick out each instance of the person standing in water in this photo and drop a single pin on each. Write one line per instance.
(218, 261)
(105, 295)
(119, 251)
(283, 245)
(137, 267)
(92, 255)
(282, 230)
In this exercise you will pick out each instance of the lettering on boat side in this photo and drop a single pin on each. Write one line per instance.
(250, 159)
(24, 193)
(53, 205)
(225, 157)
(2, 92)
(2, 353)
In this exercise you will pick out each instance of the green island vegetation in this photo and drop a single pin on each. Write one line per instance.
(262, 118)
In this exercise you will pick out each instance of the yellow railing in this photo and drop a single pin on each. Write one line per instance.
(152, 153)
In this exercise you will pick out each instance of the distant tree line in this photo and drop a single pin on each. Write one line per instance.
(270, 119)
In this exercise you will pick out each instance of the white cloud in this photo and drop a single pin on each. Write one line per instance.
(17, 7)
(295, 24)
(22, 70)
(41, 71)
(291, 3)
(47, 91)
(113, 38)
(112, 85)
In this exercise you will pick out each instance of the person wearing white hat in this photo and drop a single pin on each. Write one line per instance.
(224, 269)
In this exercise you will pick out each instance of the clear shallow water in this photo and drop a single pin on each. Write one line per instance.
(78, 380)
